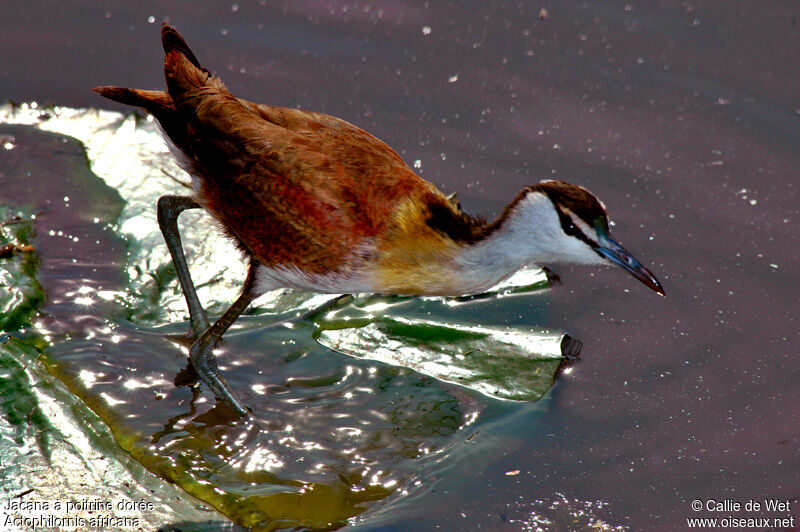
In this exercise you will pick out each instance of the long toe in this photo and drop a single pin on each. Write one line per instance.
(205, 364)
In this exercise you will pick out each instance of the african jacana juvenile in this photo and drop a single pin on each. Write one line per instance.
(317, 204)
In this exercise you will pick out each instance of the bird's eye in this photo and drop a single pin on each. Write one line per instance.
(571, 230)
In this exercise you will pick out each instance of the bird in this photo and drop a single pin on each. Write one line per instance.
(315, 203)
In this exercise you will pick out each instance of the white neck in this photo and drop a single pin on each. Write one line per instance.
(531, 235)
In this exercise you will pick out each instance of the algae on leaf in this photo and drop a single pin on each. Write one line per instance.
(20, 292)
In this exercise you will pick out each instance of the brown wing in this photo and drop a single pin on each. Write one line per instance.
(306, 197)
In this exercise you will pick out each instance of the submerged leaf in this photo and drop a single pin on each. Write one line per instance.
(504, 362)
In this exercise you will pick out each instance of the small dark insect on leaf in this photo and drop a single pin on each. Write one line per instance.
(7, 251)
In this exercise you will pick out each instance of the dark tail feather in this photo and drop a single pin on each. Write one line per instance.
(183, 73)
(152, 101)
(182, 70)
(157, 103)
(172, 40)
(118, 94)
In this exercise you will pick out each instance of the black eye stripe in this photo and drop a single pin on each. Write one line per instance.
(572, 230)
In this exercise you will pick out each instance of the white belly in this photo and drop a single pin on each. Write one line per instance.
(271, 278)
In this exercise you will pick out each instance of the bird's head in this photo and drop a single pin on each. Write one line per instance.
(571, 225)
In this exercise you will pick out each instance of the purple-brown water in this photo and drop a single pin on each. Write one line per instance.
(683, 118)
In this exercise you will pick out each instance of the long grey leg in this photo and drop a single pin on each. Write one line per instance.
(201, 353)
(169, 208)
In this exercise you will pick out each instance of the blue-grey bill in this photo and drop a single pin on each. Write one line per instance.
(613, 251)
